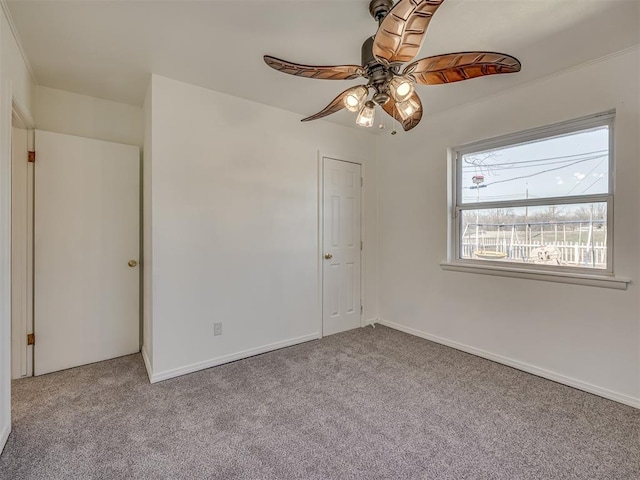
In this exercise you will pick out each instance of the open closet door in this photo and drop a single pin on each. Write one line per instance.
(86, 248)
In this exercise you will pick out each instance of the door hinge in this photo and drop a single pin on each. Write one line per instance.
(362, 181)
(361, 309)
(31, 156)
(361, 245)
(31, 339)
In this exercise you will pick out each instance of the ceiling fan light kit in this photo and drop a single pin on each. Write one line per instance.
(401, 32)
(367, 114)
(355, 99)
(401, 88)
(407, 108)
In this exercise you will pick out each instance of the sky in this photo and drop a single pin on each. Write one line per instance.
(573, 164)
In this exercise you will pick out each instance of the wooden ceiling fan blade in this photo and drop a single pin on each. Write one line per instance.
(336, 105)
(331, 72)
(411, 122)
(401, 33)
(455, 67)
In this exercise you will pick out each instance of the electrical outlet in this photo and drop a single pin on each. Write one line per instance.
(217, 328)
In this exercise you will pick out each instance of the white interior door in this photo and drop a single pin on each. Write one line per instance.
(87, 229)
(341, 246)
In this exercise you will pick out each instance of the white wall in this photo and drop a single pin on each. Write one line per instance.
(235, 225)
(73, 114)
(16, 86)
(585, 336)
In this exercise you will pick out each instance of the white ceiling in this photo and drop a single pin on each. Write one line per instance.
(108, 49)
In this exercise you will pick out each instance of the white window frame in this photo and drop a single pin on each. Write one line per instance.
(580, 275)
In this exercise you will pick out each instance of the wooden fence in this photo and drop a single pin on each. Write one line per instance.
(569, 253)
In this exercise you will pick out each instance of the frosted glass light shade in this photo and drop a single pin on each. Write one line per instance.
(355, 99)
(407, 108)
(366, 115)
(400, 88)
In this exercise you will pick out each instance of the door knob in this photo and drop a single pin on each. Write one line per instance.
(328, 256)
(132, 263)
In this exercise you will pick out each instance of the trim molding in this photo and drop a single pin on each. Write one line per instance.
(16, 37)
(194, 367)
(603, 281)
(5, 260)
(371, 321)
(23, 118)
(4, 435)
(525, 367)
(147, 362)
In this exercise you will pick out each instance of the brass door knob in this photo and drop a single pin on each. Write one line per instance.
(133, 263)
(328, 256)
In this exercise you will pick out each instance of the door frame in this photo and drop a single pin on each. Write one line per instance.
(9, 107)
(23, 325)
(320, 252)
(22, 120)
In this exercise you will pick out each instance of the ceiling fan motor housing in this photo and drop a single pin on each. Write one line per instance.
(377, 73)
(367, 53)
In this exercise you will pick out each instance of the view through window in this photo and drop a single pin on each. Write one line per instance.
(545, 200)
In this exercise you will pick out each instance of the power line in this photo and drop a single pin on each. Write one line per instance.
(580, 182)
(567, 162)
(545, 159)
(498, 197)
(547, 170)
(596, 181)
(533, 174)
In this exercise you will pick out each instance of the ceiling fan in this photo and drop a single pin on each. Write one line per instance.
(401, 31)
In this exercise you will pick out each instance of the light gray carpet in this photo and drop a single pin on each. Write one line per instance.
(365, 404)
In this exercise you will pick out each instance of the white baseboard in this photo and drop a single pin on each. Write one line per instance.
(525, 367)
(371, 321)
(4, 435)
(176, 372)
(147, 363)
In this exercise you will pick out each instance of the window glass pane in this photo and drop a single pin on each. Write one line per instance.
(567, 165)
(572, 235)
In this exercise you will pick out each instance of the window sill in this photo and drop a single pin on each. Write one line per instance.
(603, 281)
